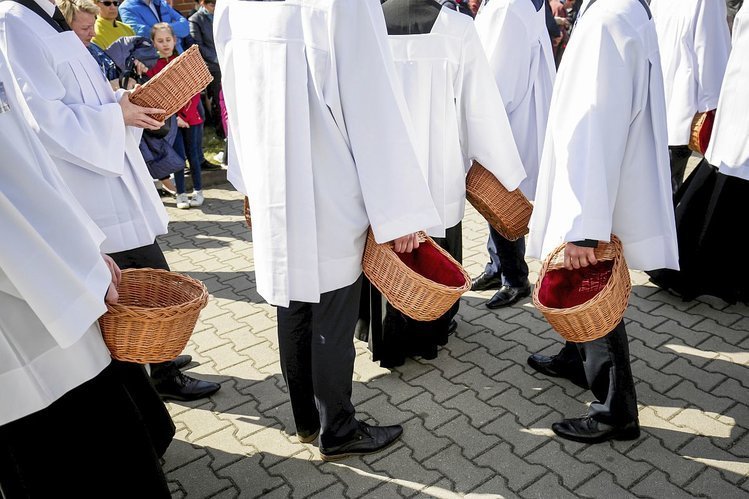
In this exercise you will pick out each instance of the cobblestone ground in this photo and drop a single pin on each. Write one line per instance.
(477, 419)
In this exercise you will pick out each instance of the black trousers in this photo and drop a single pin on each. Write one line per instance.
(91, 442)
(609, 375)
(316, 343)
(679, 156)
(506, 259)
(134, 376)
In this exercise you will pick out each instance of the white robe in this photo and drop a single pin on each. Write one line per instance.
(52, 277)
(516, 41)
(456, 111)
(323, 148)
(694, 43)
(605, 166)
(729, 144)
(80, 124)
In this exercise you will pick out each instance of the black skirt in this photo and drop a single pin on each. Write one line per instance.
(710, 213)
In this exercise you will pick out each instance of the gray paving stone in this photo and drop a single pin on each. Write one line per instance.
(197, 478)
(469, 439)
(489, 364)
(483, 386)
(547, 486)
(470, 404)
(494, 488)
(672, 469)
(572, 471)
(731, 468)
(621, 471)
(523, 439)
(526, 411)
(603, 485)
(401, 465)
(711, 484)
(517, 472)
(462, 472)
(427, 409)
(688, 391)
(656, 486)
(422, 441)
(440, 388)
(302, 476)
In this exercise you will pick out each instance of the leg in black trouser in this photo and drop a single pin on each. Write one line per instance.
(609, 375)
(679, 158)
(91, 442)
(507, 258)
(316, 344)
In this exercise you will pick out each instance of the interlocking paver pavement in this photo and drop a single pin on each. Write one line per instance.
(477, 418)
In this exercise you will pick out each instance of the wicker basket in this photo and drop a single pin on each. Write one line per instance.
(423, 284)
(508, 212)
(702, 128)
(589, 302)
(154, 317)
(247, 214)
(175, 85)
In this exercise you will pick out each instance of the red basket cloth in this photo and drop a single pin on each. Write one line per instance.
(427, 261)
(562, 288)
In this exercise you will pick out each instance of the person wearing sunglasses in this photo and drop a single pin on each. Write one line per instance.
(107, 28)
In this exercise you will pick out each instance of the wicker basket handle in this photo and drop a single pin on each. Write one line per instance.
(603, 252)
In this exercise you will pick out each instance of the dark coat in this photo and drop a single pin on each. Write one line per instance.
(201, 29)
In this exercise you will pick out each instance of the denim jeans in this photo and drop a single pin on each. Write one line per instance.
(189, 145)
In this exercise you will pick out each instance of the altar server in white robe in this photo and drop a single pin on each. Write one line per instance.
(458, 117)
(694, 41)
(605, 170)
(67, 426)
(514, 35)
(711, 204)
(92, 134)
(321, 145)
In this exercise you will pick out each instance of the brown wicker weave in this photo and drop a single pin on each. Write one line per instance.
(599, 315)
(175, 85)
(702, 127)
(247, 214)
(154, 317)
(508, 212)
(410, 292)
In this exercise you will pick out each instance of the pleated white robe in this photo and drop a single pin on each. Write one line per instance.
(729, 143)
(456, 110)
(694, 44)
(320, 137)
(605, 166)
(52, 277)
(517, 44)
(79, 121)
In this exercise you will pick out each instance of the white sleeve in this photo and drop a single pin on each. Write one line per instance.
(712, 45)
(375, 117)
(486, 135)
(90, 136)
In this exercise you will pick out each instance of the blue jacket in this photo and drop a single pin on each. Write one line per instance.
(139, 16)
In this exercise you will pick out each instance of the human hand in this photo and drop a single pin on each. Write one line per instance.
(138, 116)
(406, 244)
(182, 123)
(578, 256)
(140, 68)
(112, 295)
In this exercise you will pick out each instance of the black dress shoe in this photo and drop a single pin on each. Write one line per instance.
(589, 431)
(208, 166)
(507, 295)
(484, 282)
(366, 439)
(551, 366)
(307, 437)
(179, 386)
(181, 361)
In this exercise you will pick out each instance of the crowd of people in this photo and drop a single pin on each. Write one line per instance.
(343, 116)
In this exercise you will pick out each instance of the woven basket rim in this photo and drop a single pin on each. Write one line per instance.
(618, 258)
(118, 308)
(410, 273)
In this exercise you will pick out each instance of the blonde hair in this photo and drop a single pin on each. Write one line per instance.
(70, 7)
(160, 26)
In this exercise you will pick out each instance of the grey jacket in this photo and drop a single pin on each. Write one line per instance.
(201, 29)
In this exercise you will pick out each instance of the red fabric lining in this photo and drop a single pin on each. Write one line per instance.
(429, 262)
(706, 131)
(562, 288)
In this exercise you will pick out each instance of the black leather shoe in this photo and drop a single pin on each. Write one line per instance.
(366, 439)
(551, 366)
(179, 386)
(208, 166)
(307, 437)
(589, 431)
(507, 295)
(484, 282)
(182, 361)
